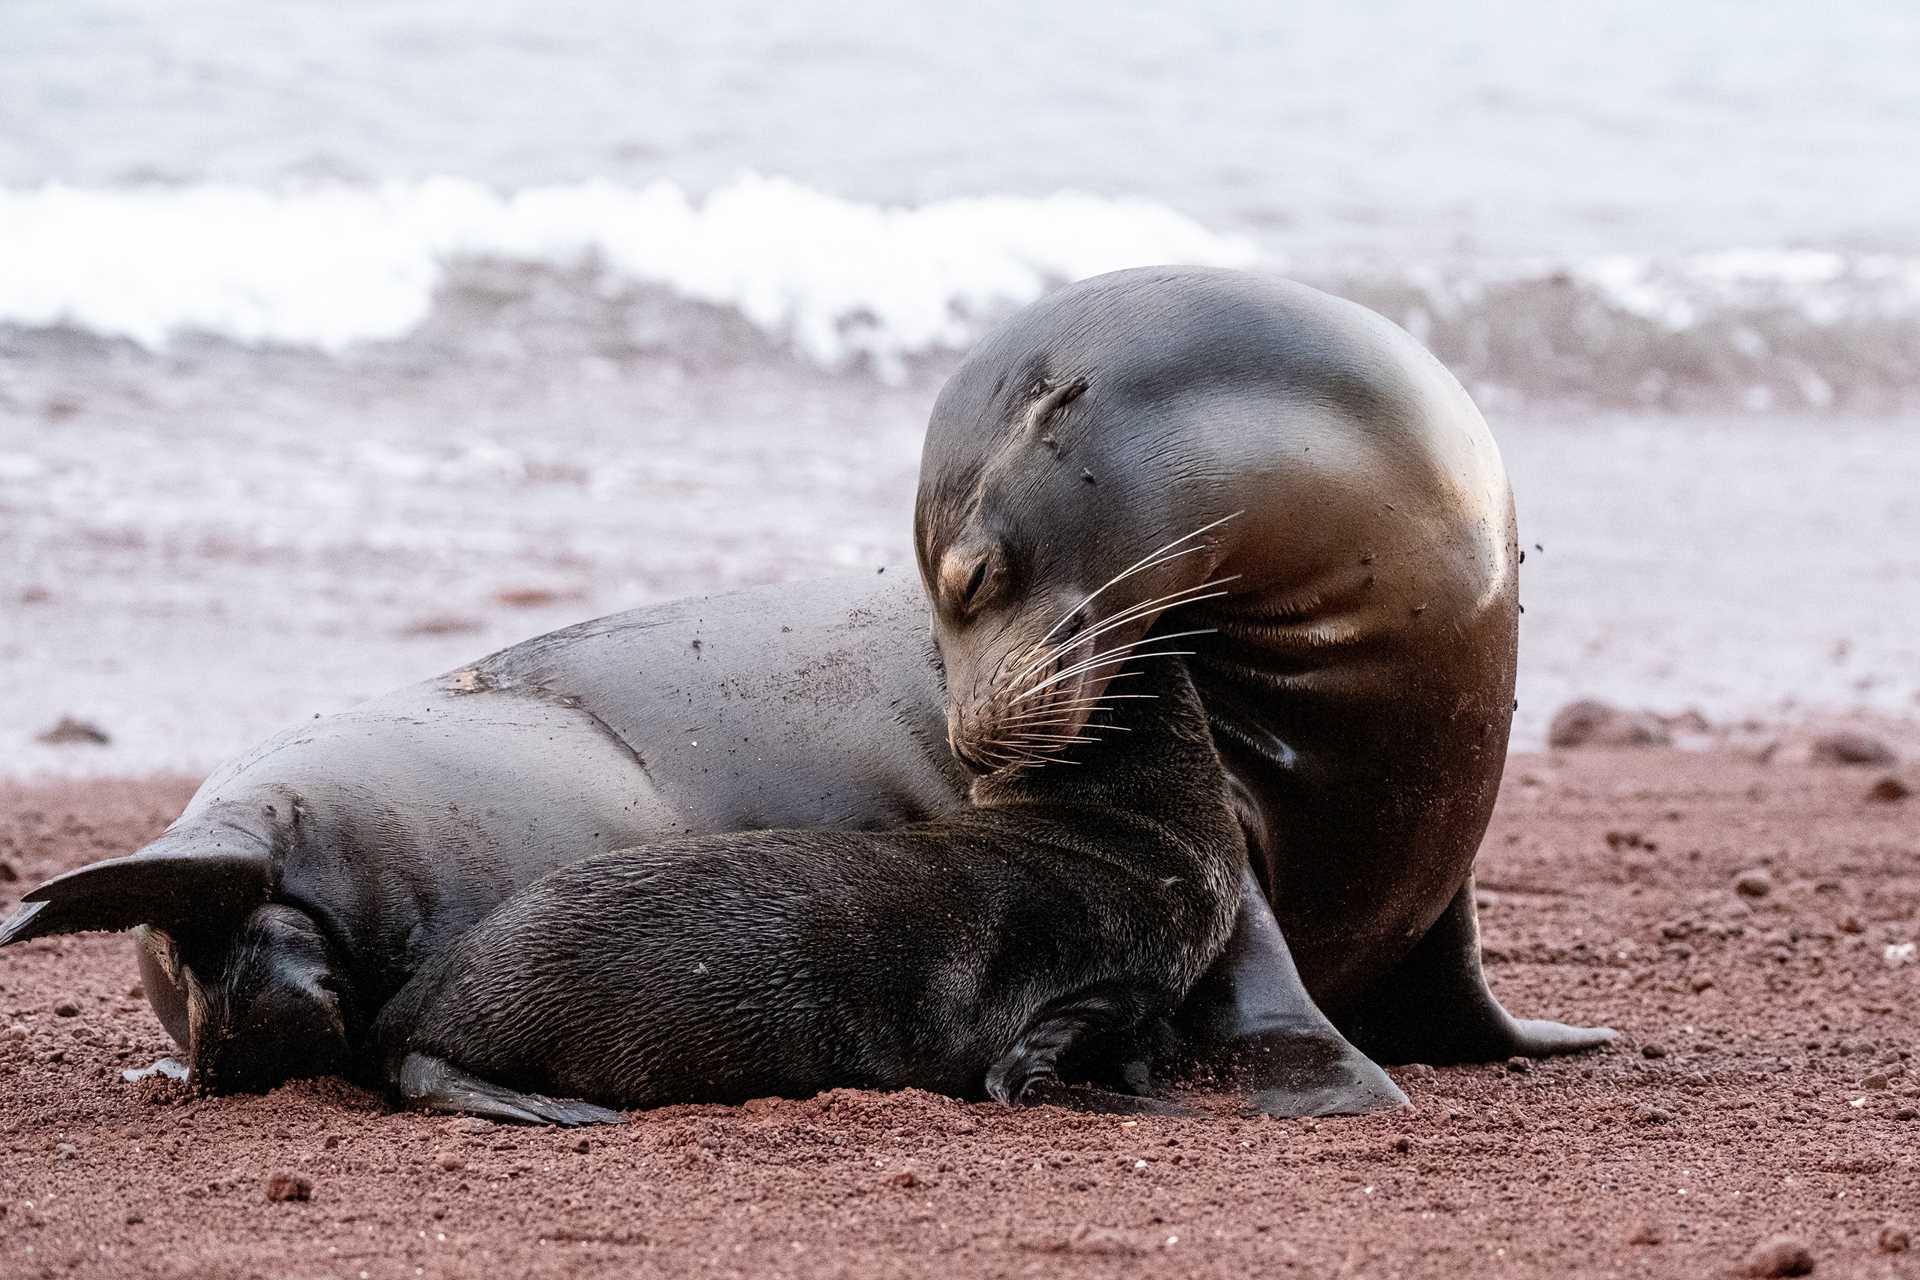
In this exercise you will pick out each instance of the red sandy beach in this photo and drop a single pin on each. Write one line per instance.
(1732, 918)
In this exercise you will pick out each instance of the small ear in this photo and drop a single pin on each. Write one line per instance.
(170, 888)
(1050, 398)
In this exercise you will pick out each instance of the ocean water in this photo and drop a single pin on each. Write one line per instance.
(339, 343)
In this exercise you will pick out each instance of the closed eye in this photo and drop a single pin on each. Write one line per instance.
(974, 584)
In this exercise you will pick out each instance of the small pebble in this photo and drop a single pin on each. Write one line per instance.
(1878, 1080)
(332, 1141)
(288, 1186)
(1898, 954)
(1889, 790)
(1753, 883)
(1519, 1065)
(1653, 1051)
(1647, 1233)
(1780, 1256)
(449, 1160)
(67, 1009)
(582, 1145)
(1895, 1240)
(905, 1178)
(1701, 982)
(66, 1151)
(1650, 1115)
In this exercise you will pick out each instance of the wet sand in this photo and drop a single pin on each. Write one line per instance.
(1767, 1082)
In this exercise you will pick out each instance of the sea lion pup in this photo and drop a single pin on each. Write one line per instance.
(1001, 951)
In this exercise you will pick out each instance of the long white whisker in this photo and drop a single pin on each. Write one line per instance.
(1144, 562)
(1133, 644)
(1091, 665)
(1138, 566)
(1067, 706)
(1041, 720)
(1108, 659)
(1173, 599)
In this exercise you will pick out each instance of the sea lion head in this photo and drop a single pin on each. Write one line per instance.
(1062, 510)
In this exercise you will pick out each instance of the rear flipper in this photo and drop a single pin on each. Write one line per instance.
(434, 1084)
(1051, 1091)
(1088, 1027)
(1435, 1006)
(188, 877)
(1251, 1021)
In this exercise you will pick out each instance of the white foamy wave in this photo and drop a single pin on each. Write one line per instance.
(1751, 328)
(332, 265)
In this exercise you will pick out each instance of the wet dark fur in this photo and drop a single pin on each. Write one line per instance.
(969, 954)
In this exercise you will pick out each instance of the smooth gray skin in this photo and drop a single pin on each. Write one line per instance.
(308, 879)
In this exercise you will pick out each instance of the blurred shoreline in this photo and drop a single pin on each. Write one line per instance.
(205, 548)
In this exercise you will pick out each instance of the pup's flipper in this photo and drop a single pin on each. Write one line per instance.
(434, 1084)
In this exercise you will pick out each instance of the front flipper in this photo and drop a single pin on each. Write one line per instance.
(1435, 1006)
(1251, 1020)
(434, 1084)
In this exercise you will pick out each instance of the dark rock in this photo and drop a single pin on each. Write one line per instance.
(1753, 883)
(1647, 1233)
(534, 597)
(1852, 748)
(71, 732)
(1653, 1051)
(288, 1186)
(1895, 1240)
(1589, 723)
(441, 625)
(68, 1008)
(1780, 1256)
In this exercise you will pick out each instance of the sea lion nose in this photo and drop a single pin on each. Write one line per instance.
(960, 741)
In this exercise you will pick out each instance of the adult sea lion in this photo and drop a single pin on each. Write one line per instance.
(1008, 950)
(1359, 693)
(1366, 603)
